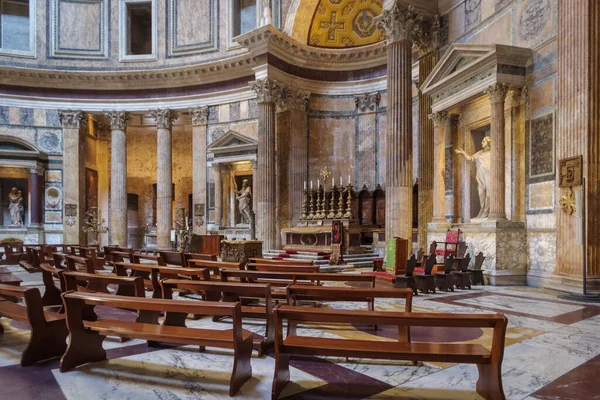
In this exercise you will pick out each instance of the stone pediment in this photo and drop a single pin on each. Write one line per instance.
(232, 143)
(466, 70)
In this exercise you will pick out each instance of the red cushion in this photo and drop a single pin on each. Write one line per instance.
(419, 270)
(452, 237)
(378, 259)
(292, 251)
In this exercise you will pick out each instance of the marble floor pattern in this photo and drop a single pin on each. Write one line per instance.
(552, 352)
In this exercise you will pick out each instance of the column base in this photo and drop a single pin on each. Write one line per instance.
(561, 283)
(505, 277)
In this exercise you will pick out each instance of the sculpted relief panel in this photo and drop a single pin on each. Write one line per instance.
(541, 147)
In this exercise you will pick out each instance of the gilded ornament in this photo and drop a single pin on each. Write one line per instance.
(567, 202)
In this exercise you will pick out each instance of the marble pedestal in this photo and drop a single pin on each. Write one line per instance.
(503, 243)
(240, 250)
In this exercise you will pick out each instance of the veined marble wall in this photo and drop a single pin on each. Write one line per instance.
(531, 24)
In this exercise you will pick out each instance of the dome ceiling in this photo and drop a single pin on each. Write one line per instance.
(345, 23)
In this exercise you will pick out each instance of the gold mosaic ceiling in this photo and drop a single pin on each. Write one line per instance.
(345, 23)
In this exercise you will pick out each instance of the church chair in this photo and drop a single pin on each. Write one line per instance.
(450, 245)
(476, 271)
(463, 275)
(407, 280)
(425, 281)
(445, 280)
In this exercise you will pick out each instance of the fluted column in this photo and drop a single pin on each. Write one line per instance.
(164, 176)
(457, 167)
(497, 96)
(266, 92)
(439, 165)
(400, 25)
(199, 125)
(118, 177)
(73, 175)
(366, 121)
(218, 168)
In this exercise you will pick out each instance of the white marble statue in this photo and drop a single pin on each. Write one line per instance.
(482, 163)
(16, 207)
(244, 198)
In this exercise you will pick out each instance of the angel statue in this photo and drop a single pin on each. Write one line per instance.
(482, 163)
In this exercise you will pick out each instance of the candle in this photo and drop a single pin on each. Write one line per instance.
(348, 179)
(186, 221)
(318, 183)
(341, 181)
(304, 185)
(311, 185)
(332, 181)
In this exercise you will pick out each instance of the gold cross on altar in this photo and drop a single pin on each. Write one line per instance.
(325, 174)
(331, 26)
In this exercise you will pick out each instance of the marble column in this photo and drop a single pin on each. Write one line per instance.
(453, 123)
(118, 177)
(366, 120)
(218, 194)
(164, 177)
(399, 25)
(36, 195)
(266, 91)
(439, 166)
(518, 98)
(497, 95)
(199, 125)
(73, 175)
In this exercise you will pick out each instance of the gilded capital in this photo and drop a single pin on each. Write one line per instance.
(118, 119)
(37, 170)
(267, 90)
(400, 23)
(164, 118)
(367, 102)
(72, 119)
(199, 115)
(497, 92)
(438, 118)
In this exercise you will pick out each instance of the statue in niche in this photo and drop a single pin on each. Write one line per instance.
(244, 198)
(482, 160)
(16, 207)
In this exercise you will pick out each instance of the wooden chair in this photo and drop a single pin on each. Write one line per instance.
(425, 281)
(86, 337)
(450, 245)
(420, 257)
(408, 280)
(445, 280)
(432, 248)
(230, 291)
(489, 362)
(48, 329)
(461, 249)
(463, 276)
(477, 272)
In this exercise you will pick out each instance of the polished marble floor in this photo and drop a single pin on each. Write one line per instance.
(553, 352)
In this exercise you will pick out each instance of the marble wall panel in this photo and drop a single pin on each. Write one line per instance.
(79, 28)
(192, 26)
(472, 13)
(331, 145)
(366, 150)
(542, 252)
(543, 96)
(496, 31)
(325, 103)
(544, 60)
(540, 196)
(4, 115)
(541, 147)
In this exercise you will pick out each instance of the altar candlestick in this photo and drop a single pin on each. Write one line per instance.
(304, 185)
(332, 181)
(349, 180)
(311, 185)
(341, 181)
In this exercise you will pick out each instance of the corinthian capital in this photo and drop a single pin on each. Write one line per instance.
(438, 118)
(118, 119)
(367, 102)
(400, 23)
(72, 119)
(199, 115)
(292, 99)
(164, 118)
(267, 90)
(497, 92)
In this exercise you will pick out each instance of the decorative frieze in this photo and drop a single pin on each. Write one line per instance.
(267, 90)
(164, 118)
(367, 102)
(118, 119)
(401, 23)
(72, 119)
(199, 115)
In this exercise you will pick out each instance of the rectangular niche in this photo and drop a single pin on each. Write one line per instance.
(17, 28)
(192, 27)
(138, 30)
(243, 17)
(79, 28)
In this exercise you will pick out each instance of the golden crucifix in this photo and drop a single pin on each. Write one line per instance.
(325, 174)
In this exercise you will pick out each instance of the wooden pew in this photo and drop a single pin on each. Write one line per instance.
(488, 362)
(76, 263)
(287, 277)
(198, 256)
(48, 329)
(31, 263)
(214, 266)
(13, 253)
(137, 258)
(86, 337)
(280, 262)
(51, 291)
(229, 291)
(152, 274)
(283, 268)
(91, 252)
(173, 257)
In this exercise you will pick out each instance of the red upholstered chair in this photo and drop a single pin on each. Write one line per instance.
(450, 245)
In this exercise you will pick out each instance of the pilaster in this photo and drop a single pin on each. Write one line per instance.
(199, 127)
